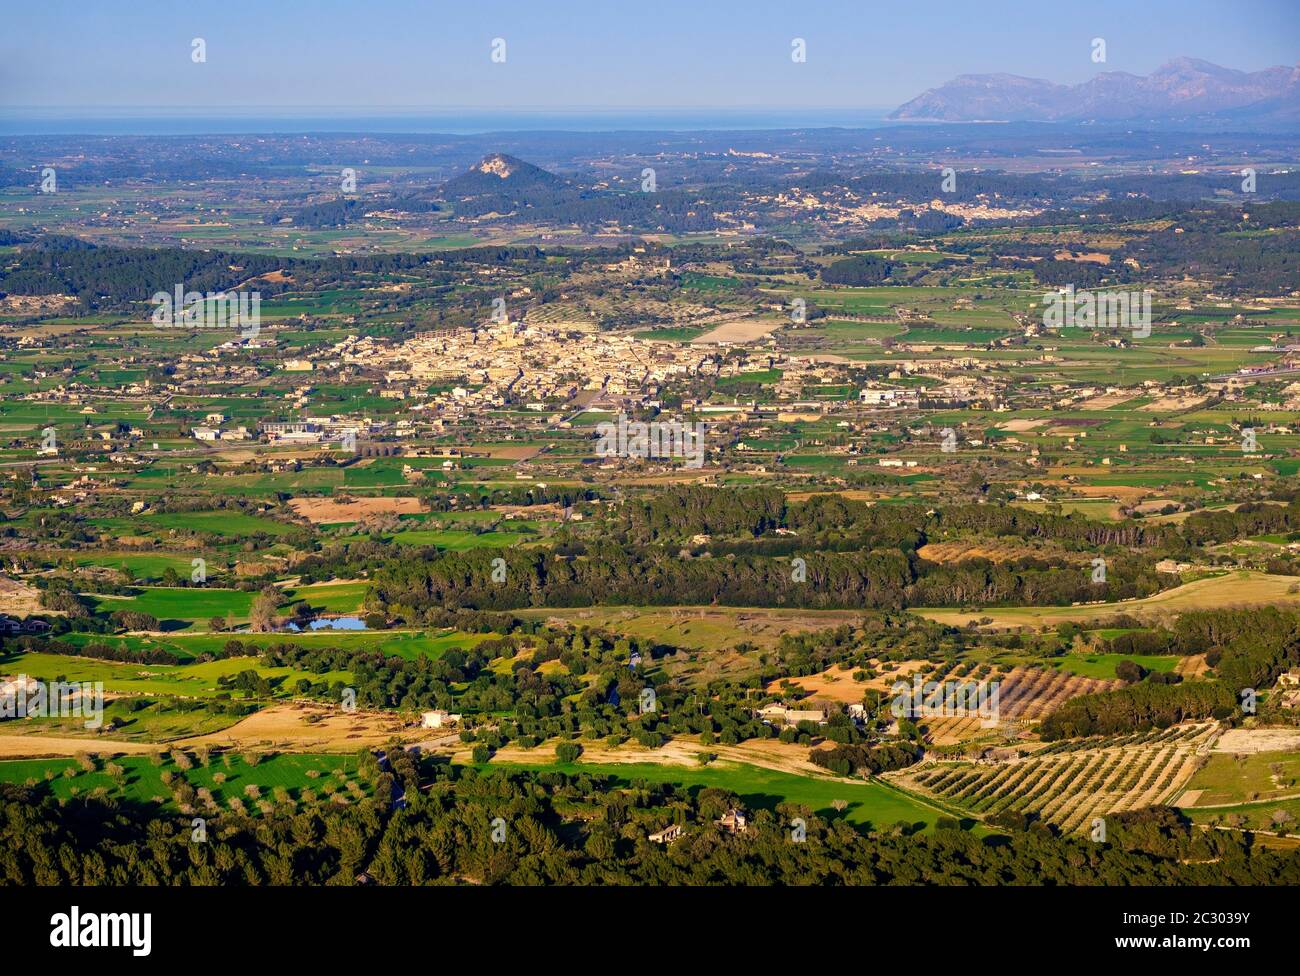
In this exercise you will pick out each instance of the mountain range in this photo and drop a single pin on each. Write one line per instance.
(1185, 89)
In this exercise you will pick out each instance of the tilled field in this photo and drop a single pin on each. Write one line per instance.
(1026, 694)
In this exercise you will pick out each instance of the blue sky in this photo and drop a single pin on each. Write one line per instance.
(575, 54)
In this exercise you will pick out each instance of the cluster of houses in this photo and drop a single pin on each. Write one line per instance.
(314, 430)
(534, 364)
(1289, 686)
(818, 713)
(780, 714)
(733, 822)
(317, 430)
(13, 627)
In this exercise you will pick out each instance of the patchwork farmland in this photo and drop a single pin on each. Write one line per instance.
(550, 531)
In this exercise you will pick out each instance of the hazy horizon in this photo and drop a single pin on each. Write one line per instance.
(374, 120)
(587, 58)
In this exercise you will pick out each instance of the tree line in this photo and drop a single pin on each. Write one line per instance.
(602, 572)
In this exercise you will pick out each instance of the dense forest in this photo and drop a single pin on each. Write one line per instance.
(605, 573)
(115, 277)
(460, 825)
(825, 553)
(862, 270)
(1139, 706)
(678, 513)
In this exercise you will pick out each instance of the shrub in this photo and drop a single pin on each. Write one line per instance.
(567, 752)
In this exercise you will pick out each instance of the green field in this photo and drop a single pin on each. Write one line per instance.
(198, 680)
(1229, 779)
(141, 780)
(140, 719)
(216, 522)
(868, 802)
(187, 646)
(459, 540)
(191, 605)
(331, 597)
(1251, 816)
(1102, 666)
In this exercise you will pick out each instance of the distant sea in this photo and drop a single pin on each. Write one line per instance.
(162, 122)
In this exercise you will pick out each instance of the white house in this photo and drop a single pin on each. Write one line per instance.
(786, 715)
(667, 835)
(438, 718)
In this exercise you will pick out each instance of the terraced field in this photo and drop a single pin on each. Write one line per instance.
(1072, 783)
(1030, 693)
